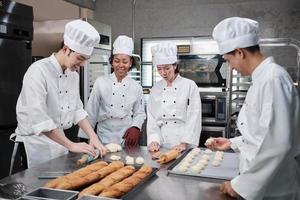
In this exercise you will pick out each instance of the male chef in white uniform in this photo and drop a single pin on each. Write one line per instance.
(49, 101)
(268, 120)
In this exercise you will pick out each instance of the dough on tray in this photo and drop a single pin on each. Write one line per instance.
(140, 160)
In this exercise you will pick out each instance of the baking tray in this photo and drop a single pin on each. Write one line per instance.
(131, 193)
(228, 169)
(51, 194)
(89, 197)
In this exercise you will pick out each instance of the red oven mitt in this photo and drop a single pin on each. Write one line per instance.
(132, 136)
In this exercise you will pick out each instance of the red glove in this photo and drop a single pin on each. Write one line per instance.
(132, 136)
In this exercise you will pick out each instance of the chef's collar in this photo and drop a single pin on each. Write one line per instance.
(258, 73)
(57, 66)
(176, 80)
(114, 78)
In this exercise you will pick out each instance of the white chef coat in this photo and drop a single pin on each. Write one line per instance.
(174, 113)
(115, 106)
(269, 124)
(49, 99)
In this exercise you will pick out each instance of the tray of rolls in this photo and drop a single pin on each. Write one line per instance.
(102, 180)
(201, 162)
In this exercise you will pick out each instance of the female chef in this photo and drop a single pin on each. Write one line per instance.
(268, 120)
(49, 101)
(174, 107)
(116, 102)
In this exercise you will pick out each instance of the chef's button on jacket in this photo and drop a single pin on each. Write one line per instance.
(173, 123)
(127, 110)
(39, 106)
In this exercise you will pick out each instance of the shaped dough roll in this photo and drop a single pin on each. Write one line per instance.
(168, 156)
(127, 184)
(109, 180)
(75, 182)
(77, 174)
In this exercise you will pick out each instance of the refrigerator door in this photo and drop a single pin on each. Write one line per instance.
(15, 57)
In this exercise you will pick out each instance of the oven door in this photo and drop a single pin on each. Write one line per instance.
(205, 70)
(211, 131)
(208, 108)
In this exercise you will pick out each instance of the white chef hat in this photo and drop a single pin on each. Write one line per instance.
(236, 32)
(123, 45)
(81, 37)
(164, 53)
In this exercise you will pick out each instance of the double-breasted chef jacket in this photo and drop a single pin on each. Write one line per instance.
(115, 106)
(174, 113)
(49, 99)
(269, 124)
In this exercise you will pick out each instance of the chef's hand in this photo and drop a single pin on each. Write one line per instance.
(81, 147)
(181, 147)
(153, 146)
(95, 143)
(227, 189)
(132, 136)
(220, 143)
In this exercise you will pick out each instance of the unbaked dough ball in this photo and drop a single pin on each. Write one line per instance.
(204, 162)
(114, 157)
(112, 147)
(206, 157)
(209, 141)
(196, 169)
(140, 160)
(182, 168)
(208, 151)
(216, 163)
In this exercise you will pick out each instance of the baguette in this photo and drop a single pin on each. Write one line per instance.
(109, 180)
(75, 182)
(127, 184)
(168, 156)
(77, 174)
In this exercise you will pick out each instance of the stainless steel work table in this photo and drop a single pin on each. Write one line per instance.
(161, 187)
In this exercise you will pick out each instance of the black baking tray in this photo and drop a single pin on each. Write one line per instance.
(226, 171)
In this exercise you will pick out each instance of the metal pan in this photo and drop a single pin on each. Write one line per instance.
(226, 171)
(51, 194)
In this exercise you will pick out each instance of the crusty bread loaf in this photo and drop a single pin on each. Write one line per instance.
(127, 184)
(168, 156)
(109, 180)
(77, 174)
(80, 178)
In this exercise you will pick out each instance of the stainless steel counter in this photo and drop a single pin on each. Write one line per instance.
(163, 186)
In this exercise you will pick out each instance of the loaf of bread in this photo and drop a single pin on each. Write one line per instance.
(78, 173)
(75, 180)
(168, 156)
(127, 184)
(109, 180)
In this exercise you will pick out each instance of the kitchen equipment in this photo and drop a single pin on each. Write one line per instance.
(205, 70)
(16, 33)
(226, 171)
(53, 194)
(214, 107)
(12, 190)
